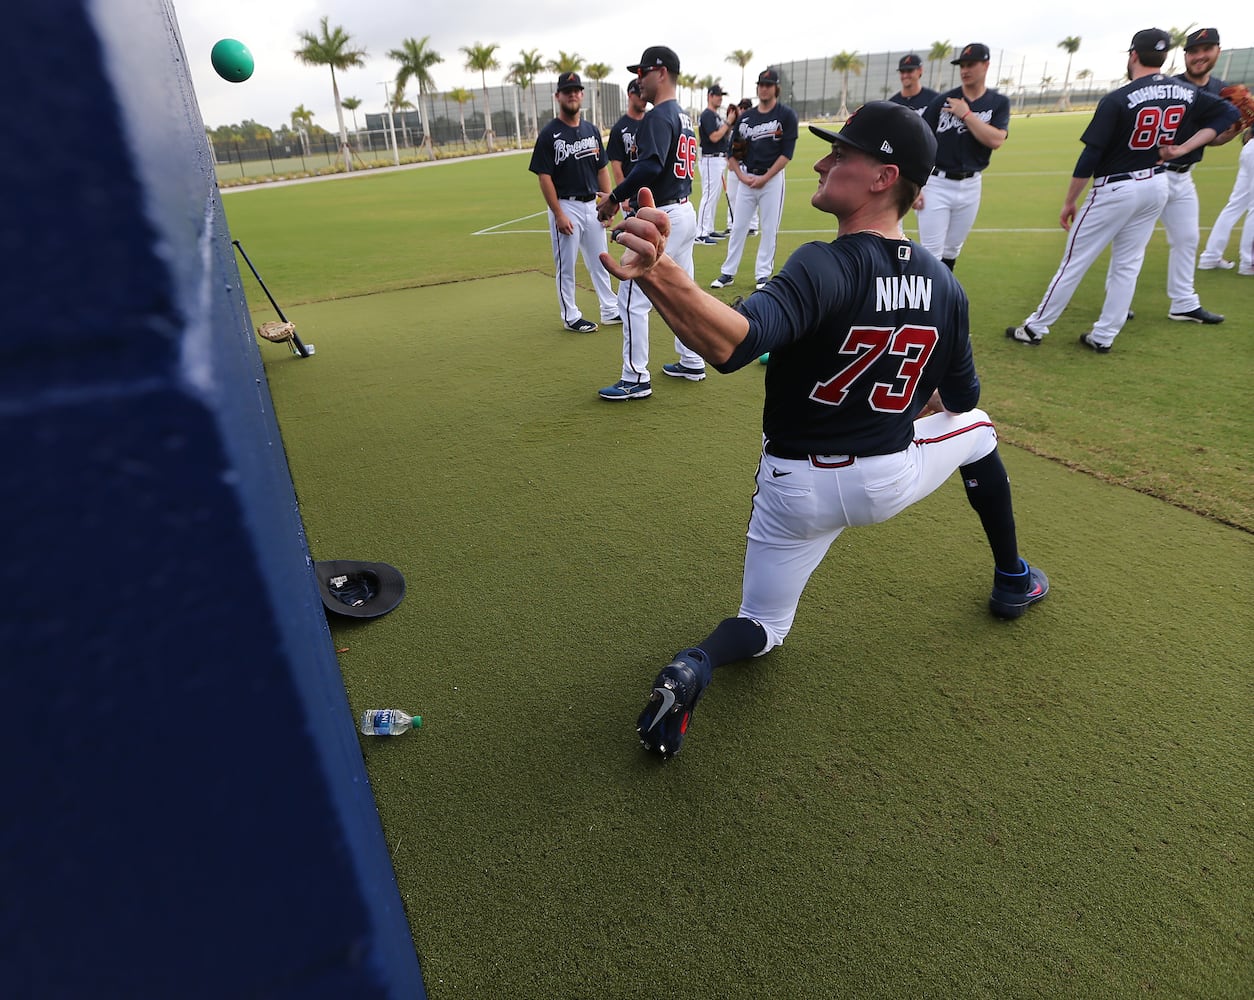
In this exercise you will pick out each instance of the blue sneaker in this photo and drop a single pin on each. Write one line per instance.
(706, 241)
(622, 389)
(677, 370)
(664, 722)
(1014, 593)
(722, 281)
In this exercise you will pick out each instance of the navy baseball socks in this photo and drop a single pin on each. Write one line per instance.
(664, 722)
(1016, 585)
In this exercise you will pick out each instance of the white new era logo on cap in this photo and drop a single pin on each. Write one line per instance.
(886, 148)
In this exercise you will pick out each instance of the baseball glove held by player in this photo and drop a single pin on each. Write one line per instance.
(1240, 96)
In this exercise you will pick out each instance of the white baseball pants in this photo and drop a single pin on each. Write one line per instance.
(948, 213)
(587, 240)
(801, 507)
(634, 305)
(1240, 202)
(712, 170)
(767, 203)
(1180, 220)
(1121, 215)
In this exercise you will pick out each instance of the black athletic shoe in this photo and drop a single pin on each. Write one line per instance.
(1024, 335)
(1014, 594)
(582, 326)
(664, 722)
(1198, 315)
(1088, 341)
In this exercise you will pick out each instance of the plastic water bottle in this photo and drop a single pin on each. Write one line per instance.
(388, 722)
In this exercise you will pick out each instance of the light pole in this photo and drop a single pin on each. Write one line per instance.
(387, 102)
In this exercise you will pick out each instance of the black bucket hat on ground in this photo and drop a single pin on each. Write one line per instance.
(892, 133)
(359, 589)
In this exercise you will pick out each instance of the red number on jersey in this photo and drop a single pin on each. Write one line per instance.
(686, 157)
(1156, 126)
(913, 344)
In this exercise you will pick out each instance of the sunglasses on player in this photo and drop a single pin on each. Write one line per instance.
(644, 71)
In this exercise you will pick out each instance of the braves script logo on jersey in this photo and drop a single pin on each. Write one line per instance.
(1161, 92)
(764, 130)
(949, 120)
(588, 146)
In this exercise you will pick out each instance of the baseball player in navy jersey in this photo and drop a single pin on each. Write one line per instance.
(867, 334)
(571, 164)
(666, 160)
(970, 122)
(913, 94)
(712, 131)
(1180, 214)
(1132, 132)
(770, 131)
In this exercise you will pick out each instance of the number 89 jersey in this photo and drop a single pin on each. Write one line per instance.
(1132, 122)
(666, 135)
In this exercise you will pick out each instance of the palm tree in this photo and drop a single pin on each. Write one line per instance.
(566, 63)
(525, 71)
(399, 103)
(1071, 43)
(938, 51)
(1085, 75)
(331, 48)
(461, 95)
(596, 72)
(302, 119)
(741, 57)
(416, 60)
(353, 103)
(483, 58)
(844, 64)
(1178, 37)
(689, 82)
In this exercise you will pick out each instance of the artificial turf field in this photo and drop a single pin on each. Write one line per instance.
(908, 798)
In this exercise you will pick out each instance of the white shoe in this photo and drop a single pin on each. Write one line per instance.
(1219, 265)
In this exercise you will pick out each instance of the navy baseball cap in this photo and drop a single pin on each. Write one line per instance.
(1150, 40)
(716, 91)
(769, 75)
(892, 133)
(972, 52)
(909, 62)
(657, 55)
(569, 81)
(1203, 36)
(633, 87)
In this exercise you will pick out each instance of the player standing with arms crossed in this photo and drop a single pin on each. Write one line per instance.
(1180, 214)
(1132, 129)
(666, 161)
(571, 164)
(770, 130)
(970, 122)
(712, 130)
(913, 94)
(866, 334)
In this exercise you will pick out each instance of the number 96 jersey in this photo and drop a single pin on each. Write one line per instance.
(666, 135)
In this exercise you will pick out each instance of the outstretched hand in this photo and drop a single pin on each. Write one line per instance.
(644, 237)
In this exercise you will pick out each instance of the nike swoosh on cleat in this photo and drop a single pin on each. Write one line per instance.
(668, 699)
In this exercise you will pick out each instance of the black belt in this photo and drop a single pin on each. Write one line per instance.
(580, 197)
(1139, 175)
(953, 175)
(756, 173)
(1179, 168)
(818, 461)
(673, 201)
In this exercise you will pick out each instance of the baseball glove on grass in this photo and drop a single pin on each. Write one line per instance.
(276, 331)
(1240, 95)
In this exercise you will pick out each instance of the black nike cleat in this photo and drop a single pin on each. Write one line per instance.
(1014, 593)
(664, 722)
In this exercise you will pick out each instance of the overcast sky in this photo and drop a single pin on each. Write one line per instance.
(703, 36)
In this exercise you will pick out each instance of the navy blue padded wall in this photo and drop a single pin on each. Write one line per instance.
(186, 808)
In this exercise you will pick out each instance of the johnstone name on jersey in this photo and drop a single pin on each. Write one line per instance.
(1161, 92)
(907, 291)
(588, 146)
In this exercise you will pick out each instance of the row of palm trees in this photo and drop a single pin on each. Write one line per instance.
(333, 47)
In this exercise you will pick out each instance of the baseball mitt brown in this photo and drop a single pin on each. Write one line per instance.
(276, 331)
(1240, 95)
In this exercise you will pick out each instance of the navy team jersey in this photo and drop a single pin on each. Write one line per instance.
(1213, 86)
(919, 102)
(711, 122)
(572, 155)
(1132, 122)
(861, 331)
(621, 145)
(957, 150)
(770, 135)
(667, 159)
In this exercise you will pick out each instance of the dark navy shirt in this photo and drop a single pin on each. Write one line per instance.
(957, 150)
(1213, 86)
(919, 102)
(770, 135)
(710, 122)
(667, 159)
(621, 145)
(861, 331)
(572, 155)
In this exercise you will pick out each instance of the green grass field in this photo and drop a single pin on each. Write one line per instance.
(908, 798)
